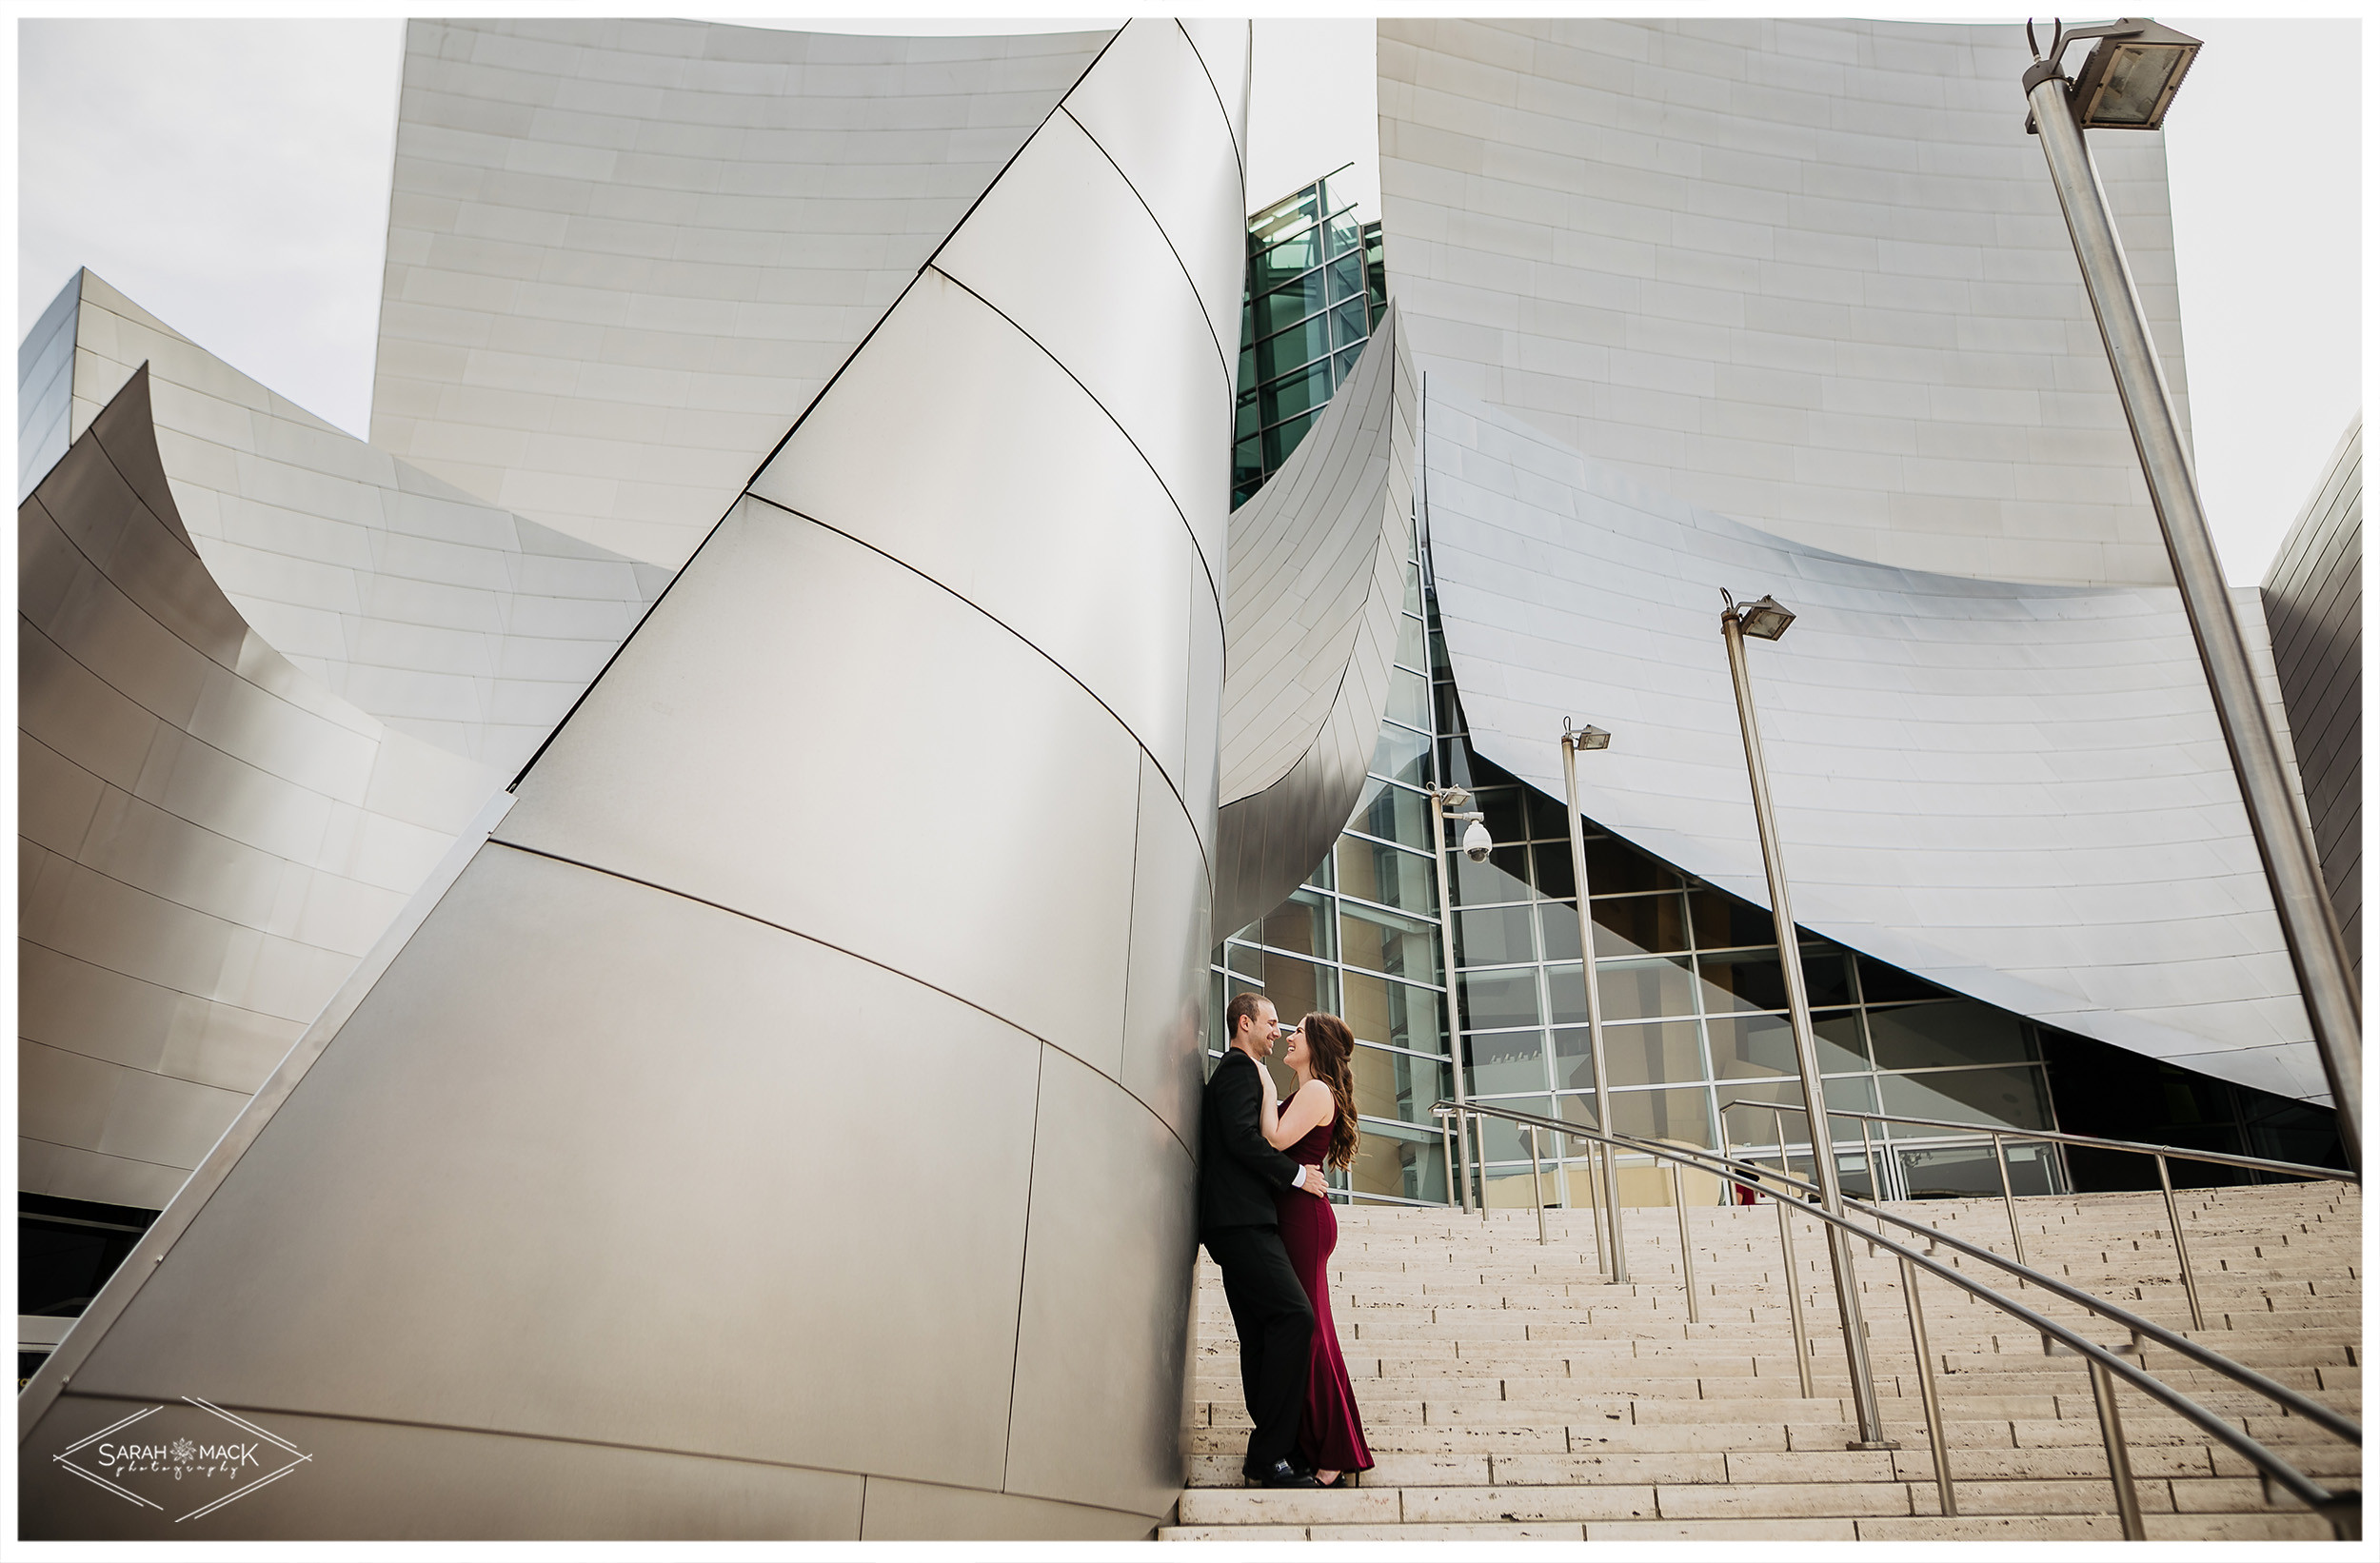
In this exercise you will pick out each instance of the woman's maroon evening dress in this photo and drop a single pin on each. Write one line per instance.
(1330, 1434)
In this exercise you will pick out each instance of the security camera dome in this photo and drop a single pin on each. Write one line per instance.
(1476, 843)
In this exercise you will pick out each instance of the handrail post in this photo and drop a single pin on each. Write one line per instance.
(1478, 1158)
(1611, 1202)
(1792, 1289)
(1685, 1242)
(2181, 1245)
(1936, 1434)
(1595, 1213)
(2120, 1462)
(1446, 1145)
(1536, 1184)
(2008, 1196)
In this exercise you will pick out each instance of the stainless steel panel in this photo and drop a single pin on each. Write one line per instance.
(1318, 560)
(85, 1008)
(660, 1159)
(1224, 46)
(957, 484)
(1885, 356)
(2313, 600)
(74, 1174)
(45, 381)
(393, 589)
(1141, 344)
(2018, 791)
(185, 905)
(110, 1109)
(1152, 108)
(1165, 994)
(696, 763)
(909, 1511)
(1106, 1297)
(369, 1481)
(660, 265)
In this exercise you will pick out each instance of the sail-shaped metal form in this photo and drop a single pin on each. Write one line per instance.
(2017, 791)
(782, 1125)
(1318, 559)
(375, 653)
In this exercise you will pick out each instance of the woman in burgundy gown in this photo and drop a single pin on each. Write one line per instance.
(1317, 1126)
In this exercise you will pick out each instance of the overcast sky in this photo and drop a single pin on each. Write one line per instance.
(232, 177)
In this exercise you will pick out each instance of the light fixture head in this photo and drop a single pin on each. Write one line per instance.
(2129, 77)
(1765, 620)
(1453, 798)
(1587, 737)
(1476, 843)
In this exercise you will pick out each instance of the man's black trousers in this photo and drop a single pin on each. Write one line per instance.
(1276, 1325)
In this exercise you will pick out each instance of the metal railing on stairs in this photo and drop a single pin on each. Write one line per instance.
(2162, 1155)
(2341, 1508)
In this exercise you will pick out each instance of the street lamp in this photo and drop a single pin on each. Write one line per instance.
(1606, 1209)
(1766, 619)
(1476, 844)
(2127, 83)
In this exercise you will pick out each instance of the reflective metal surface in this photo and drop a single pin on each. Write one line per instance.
(1802, 271)
(441, 615)
(45, 388)
(1155, 368)
(1097, 585)
(678, 772)
(624, 256)
(2314, 602)
(1166, 988)
(208, 840)
(2019, 792)
(1165, 150)
(1317, 566)
(1103, 1319)
(801, 1076)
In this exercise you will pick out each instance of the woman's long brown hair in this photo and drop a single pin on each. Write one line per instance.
(1331, 1045)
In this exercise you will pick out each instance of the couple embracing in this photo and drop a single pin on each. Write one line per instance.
(1264, 1218)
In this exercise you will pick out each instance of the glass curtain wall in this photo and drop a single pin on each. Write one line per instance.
(1696, 1033)
(1315, 283)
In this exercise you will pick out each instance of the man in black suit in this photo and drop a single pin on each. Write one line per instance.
(1238, 1174)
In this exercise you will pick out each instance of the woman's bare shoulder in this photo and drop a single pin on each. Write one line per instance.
(1319, 1089)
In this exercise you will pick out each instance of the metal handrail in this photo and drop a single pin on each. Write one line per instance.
(2000, 1135)
(2342, 1508)
(2178, 1153)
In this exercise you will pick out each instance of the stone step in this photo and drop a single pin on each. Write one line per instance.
(1509, 1394)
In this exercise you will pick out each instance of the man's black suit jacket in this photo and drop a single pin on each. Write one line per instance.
(1237, 1171)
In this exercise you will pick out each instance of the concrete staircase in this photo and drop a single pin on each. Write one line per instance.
(1508, 1394)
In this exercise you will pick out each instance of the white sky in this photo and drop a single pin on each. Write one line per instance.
(232, 177)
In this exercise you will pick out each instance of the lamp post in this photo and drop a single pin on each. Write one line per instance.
(2128, 82)
(1444, 801)
(1607, 1208)
(1766, 619)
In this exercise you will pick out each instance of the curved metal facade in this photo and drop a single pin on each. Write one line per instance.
(2018, 791)
(624, 255)
(210, 839)
(751, 1142)
(1805, 272)
(1318, 579)
(2313, 599)
(445, 618)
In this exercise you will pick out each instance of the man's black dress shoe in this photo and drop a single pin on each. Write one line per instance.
(1278, 1473)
